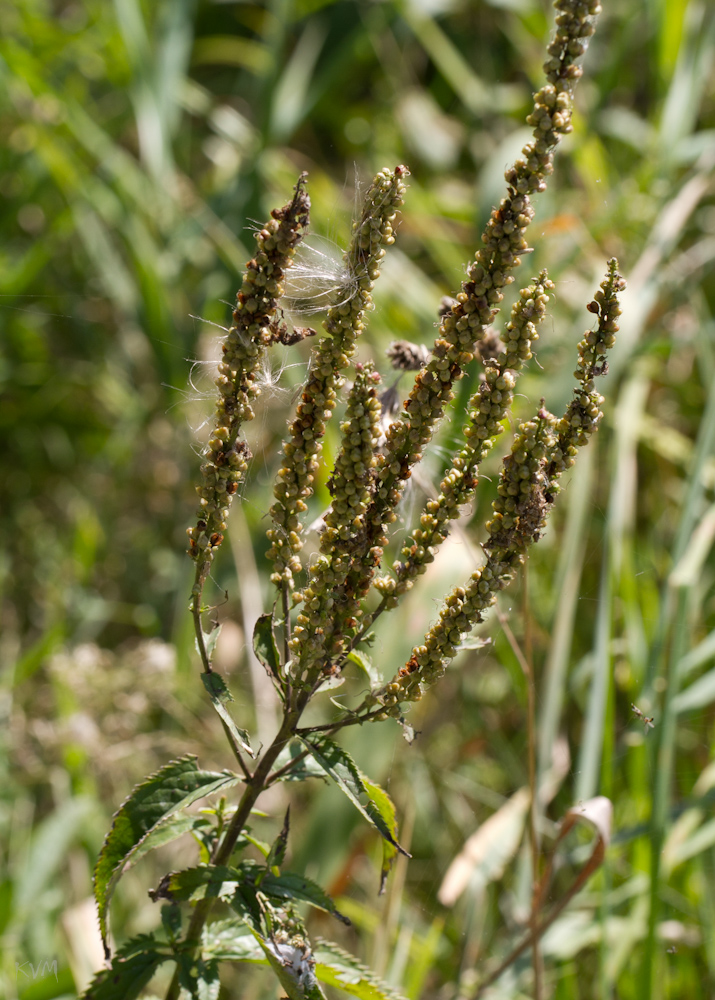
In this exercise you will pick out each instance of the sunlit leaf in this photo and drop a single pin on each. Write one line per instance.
(289, 886)
(307, 767)
(338, 968)
(339, 765)
(381, 804)
(198, 978)
(164, 793)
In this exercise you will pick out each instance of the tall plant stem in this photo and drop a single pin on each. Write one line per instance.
(254, 787)
(206, 664)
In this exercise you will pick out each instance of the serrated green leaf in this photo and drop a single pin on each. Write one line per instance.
(381, 803)
(217, 882)
(238, 887)
(264, 645)
(339, 765)
(221, 698)
(293, 966)
(334, 967)
(280, 887)
(171, 920)
(364, 663)
(132, 968)
(171, 829)
(199, 979)
(338, 968)
(308, 767)
(164, 793)
(288, 885)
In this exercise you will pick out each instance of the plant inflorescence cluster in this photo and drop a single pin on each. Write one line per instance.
(325, 609)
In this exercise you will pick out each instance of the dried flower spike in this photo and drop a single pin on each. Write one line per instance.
(465, 323)
(345, 321)
(487, 409)
(328, 603)
(254, 328)
(542, 450)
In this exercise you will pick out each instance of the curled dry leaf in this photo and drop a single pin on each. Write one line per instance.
(599, 813)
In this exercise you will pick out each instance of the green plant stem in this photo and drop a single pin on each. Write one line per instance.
(198, 624)
(333, 727)
(206, 663)
(254, 787)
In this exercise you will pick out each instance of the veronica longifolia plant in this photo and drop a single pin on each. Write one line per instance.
(327, 608)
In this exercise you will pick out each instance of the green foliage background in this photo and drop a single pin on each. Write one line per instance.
(142, 142)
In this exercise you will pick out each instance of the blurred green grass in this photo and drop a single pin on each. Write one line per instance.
(143, 141)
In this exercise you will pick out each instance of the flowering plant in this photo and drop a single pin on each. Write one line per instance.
(327, 608)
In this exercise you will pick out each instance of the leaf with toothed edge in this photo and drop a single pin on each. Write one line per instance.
(170, 829)
(338, 968)
(221, 697)
(277, 853)
(132, 967)
(340, 766)
(304, 768)
(198, 978)
(238, 887)
(334, 967)
(291, 886)
(175, 786)
(226, 941)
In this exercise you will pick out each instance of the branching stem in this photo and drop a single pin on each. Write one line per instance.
(253, 789)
